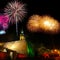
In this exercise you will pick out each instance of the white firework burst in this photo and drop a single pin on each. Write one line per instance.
(16, 11)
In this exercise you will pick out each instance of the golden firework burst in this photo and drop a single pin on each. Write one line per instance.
(33, 23)
(49, 24)
(43, 23)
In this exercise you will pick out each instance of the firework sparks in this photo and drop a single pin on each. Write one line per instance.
(49, 24)
(16, 11)
(33, 23)
(43, 23)
(4, 22)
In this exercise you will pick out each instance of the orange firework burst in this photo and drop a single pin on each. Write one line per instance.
(43, 23)
(33, 23)
(49, 24)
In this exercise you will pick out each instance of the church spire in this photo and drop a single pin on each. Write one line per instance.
(22, 37)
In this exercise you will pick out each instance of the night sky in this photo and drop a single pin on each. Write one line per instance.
(41, 7)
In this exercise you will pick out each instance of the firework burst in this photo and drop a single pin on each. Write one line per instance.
(49, 24)
(33, 23)
(4, 22)
(16, 11)
(43, 24)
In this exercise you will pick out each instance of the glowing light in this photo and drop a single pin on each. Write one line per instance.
(33, 23)
(55, 50)
(18, 46)
(1, 44)
(46, 24)
(49, 24)
(16, 10)
(22, 32)
(4, 22)
(4, 50)
(2, 32)
(30, 50)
